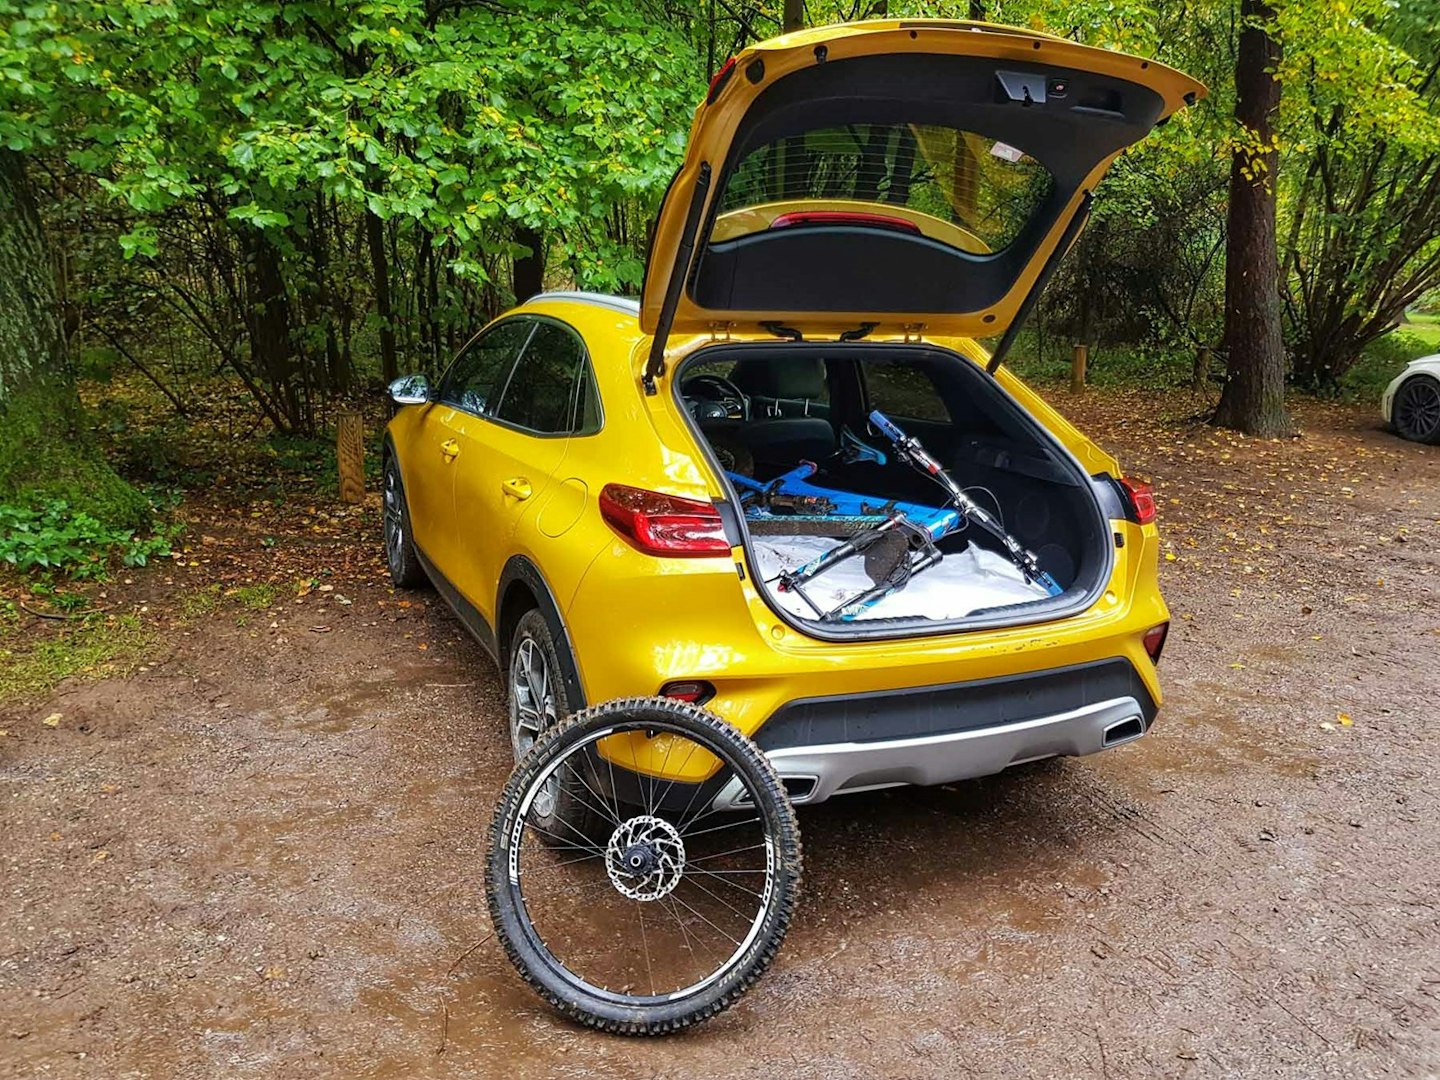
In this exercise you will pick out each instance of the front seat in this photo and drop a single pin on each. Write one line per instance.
(789, 412)
(778, 388)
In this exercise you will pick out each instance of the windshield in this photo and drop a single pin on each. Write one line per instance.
(966, 190)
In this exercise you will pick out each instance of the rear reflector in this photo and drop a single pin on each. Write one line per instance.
(1155, 640)
(695, 691)
(845, 217)
(1142, 500)
(663, 524)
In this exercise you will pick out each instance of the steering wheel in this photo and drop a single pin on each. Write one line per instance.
(721, 391)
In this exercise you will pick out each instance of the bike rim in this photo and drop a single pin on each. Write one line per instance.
(669, 900)
(533, 709)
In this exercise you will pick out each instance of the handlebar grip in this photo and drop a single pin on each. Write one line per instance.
(887, 427)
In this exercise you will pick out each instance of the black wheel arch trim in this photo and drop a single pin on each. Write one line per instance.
(521, 569)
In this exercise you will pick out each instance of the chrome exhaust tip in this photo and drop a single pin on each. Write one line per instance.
(1123, 731)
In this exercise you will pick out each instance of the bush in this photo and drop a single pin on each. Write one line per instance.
(1382, 360)
(57, 536)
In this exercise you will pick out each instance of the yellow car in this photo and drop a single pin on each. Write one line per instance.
(787, 482)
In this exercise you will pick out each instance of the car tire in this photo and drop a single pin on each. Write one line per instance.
(1416, 411)
(536, 703)
(400, 555)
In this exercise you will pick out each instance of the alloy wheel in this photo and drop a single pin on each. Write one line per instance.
(394, 519)
(1417, 413)
(533, 710)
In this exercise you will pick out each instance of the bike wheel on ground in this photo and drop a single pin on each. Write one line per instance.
(673, 914)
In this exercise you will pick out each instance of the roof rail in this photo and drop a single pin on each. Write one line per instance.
(616, 303)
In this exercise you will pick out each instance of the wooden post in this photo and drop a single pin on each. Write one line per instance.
(350, 456)
(1077, 368)
(1200, 377)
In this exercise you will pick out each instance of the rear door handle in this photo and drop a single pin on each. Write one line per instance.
(517, 487)
(449, 448)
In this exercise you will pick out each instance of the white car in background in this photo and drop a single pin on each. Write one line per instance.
(1411, 404)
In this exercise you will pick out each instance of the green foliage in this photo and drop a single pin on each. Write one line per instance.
(58, 537)
(1385, 358)
(221, 164)
(538, 114)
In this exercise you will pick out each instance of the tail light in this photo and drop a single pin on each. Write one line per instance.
(1155, 640)
(695, 691)
(663, 524)
(1141, 497)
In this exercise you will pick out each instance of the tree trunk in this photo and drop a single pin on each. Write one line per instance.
(267, 324)
(527, 274)
(380, 272)
(1253, 399)
(46, 448)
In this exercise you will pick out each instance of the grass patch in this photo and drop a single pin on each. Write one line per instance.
(200, 602)
(1423, 328)
(92, 648)
(255, 597)
(207, 600)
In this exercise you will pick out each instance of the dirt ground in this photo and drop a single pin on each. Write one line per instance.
(259, 854)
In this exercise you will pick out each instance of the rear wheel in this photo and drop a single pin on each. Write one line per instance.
(400, 555)
(672, 914)
(1416, 411)
(538, 702)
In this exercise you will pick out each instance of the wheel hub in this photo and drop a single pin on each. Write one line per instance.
(645, 858)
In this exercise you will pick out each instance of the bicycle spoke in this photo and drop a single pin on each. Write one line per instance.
(719, 828)
(721, 855)
(718, 899)
(727, 881)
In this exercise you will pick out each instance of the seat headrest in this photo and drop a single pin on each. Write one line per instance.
(801, 378)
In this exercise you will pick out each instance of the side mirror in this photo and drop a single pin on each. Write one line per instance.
(410, 390)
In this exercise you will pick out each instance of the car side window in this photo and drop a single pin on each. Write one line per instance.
(899, 390)
(475, 380)
(550, 391)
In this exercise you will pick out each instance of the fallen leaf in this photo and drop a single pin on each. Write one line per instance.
(53, 720)
(1344, 719)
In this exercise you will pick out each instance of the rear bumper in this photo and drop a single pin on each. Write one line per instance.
(936, 735)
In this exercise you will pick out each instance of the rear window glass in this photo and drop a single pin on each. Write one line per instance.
(541, 394)
(962, 189)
